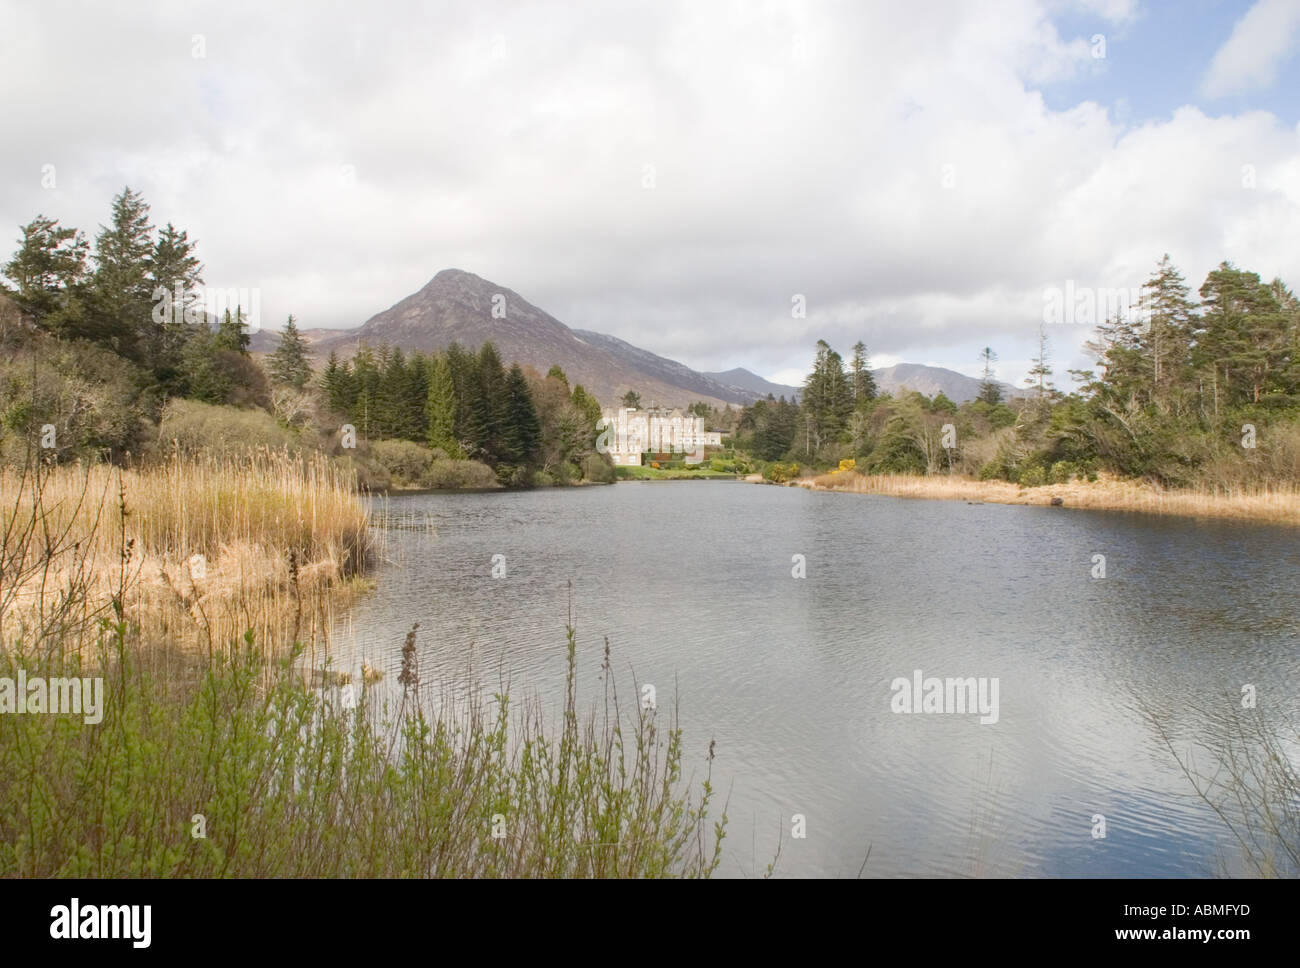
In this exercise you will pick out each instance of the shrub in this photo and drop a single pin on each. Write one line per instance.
(458, 473)
(407, 462)
(1062, 472)
(597, 469)
(780, 473)
(195, 428)
(1033, 476)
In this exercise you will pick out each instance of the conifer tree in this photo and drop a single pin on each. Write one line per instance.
(442, 409)
(288, 364)
(521, 430)
(121, 308)
(47, 269)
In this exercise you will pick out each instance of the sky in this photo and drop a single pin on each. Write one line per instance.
(722, 183)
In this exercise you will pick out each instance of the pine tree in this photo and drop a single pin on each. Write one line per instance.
(864, 381)
(990, 392)
(336, 381)
(47, 268)
(487, 404)
(558, 374)
(442, 409)
(121, 308)
(521, 431)
(592, 414)
(288, 364)
(1041, 370)
(172, 267)
(232, 334)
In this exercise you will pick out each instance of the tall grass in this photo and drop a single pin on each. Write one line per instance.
(1278, 503)
(227, 761)
(252, 773)
(199, 550)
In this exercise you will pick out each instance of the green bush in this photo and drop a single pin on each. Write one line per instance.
(292, 782)
(196, 428)
(1062, 472)
(458, 474)
(598, 470)
(1032, 476)
(407, 462)
(780, 473)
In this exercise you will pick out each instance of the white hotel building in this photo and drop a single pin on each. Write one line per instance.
(627, 433)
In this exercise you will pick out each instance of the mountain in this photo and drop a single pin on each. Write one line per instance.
(460, 306)
(931, 380)
(744, 381)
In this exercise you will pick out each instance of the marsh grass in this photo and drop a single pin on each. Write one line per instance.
(197, 550)
(290, 781)
(1274, 503)
(217, 721)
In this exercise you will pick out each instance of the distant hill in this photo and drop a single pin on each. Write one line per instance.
(745, 381)
(932, 380)
(459, 306)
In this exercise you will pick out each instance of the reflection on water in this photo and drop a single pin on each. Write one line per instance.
(692, 583)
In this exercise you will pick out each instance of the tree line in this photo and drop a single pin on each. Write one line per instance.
(133, 296)
(1184, 391)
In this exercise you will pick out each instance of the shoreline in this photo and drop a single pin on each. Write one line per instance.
(1265, 505)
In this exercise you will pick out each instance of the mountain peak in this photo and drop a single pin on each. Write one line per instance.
(453, 278)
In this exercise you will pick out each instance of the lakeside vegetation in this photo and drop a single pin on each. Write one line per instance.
(1194, 408)
(1279, 504)
(110, 350)
(202, 593)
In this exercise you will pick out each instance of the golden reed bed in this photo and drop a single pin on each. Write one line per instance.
(1277, 504)
(193, 552)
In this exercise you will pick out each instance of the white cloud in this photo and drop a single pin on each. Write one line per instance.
(900, 172)
(1249, 58)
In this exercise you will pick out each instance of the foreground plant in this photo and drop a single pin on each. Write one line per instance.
(245, 771)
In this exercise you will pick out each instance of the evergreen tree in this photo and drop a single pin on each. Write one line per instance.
(172, 266)
(487, 405)
(442, 409)
(336, 382)
(864, 381)
(1165, 332)
(1041, 369)
(47, 270)
(591, 412)
(521, 432)
(366, 382)
(121, 298)
(232, 334)
(288, 364)
(990, 392)
(558, 374)
(632, 400)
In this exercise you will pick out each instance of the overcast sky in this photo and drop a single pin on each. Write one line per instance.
(922, 174)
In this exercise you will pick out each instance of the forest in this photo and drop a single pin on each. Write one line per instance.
(110, 352)
(1185, 392)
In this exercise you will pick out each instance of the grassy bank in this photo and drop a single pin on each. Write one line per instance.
(643, 473)
(200, 592)
(197, 551)
(250, 773)
(1278, 504)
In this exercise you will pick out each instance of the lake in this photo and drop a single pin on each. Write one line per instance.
(692, 583)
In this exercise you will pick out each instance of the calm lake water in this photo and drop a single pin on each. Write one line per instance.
(692, 583)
